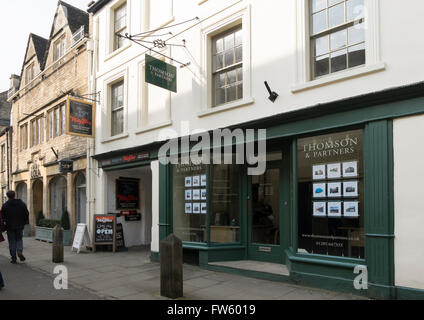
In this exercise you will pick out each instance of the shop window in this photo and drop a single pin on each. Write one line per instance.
(225, 206)
(227, 60)
(331, 194)
(190, 202)
(57, 198)
(337, 35)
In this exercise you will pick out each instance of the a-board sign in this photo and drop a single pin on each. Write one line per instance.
(104, 231)
(82, 237)
(161, 74)
(80, 117)
(120, 239)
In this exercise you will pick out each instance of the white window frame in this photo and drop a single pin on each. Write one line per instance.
(237, 14)
(110, 29)
(107, 106)
(303, 66)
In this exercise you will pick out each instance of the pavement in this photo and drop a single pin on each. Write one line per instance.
(132, 276)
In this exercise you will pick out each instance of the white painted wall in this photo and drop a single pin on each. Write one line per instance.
(273, 38)
(409, 193)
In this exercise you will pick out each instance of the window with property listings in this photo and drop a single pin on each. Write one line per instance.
(331, 194)
(227, 60)
(337, 35)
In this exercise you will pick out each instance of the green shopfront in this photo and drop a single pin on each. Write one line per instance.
(323, 206)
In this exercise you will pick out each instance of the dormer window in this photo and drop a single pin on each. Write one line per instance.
(59, 48)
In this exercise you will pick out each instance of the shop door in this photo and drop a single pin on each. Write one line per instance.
(268, 210)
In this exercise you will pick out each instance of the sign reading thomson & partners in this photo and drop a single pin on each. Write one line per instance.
(161, 74)
(80, 118)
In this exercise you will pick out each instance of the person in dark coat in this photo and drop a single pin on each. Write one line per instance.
(16, 216)
(2, 229)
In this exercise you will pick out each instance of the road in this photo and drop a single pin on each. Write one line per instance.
(23, 283)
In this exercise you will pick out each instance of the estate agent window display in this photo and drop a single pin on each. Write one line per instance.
(331, 194)
(206, 196)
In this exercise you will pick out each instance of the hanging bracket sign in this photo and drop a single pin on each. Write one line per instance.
(80, 118)
(161, 74)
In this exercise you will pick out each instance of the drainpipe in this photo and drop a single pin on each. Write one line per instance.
(91, 167)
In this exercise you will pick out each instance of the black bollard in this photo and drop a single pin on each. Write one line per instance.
(171, 267)
(58, 244)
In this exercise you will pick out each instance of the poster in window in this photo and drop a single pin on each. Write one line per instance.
(350, 169)
(204, 195)
(335, 190)
(318, 172)
(188, 208)
(319, 190)
(334, 209)
(351, 209)
(203, 180)
(196, 195)
(334, 171)
(196, 181)
(188, 182)
(350, 189)
(320, 209)
(188, 195)
(127, 194)
(196, 208)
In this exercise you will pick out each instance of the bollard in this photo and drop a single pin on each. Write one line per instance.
(58, 244)
(171, 267)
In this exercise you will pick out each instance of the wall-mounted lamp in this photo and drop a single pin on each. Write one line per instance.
(272, 95)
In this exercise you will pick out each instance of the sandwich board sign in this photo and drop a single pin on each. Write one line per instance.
(104, 231)
(82, 237)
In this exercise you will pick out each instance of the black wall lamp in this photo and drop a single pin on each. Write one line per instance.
(272, 95)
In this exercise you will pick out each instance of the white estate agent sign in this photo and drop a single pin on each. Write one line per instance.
(82, 237)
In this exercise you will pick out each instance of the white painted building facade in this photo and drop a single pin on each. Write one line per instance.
(358, 52)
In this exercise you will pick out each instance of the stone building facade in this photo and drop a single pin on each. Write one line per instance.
(5, 144)
(53, 70)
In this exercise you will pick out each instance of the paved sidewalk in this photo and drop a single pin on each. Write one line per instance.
(131, 276)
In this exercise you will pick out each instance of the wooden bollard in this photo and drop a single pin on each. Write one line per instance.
(171, 267)
(58, 244)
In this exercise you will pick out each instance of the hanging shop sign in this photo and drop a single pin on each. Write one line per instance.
(127, 194)
(124, 159)
(131, 215)
(80, 118)
(161, 74)
(104, 231)
(66, 166)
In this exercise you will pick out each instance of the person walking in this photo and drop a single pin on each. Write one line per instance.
(2, 229)
(15, 216)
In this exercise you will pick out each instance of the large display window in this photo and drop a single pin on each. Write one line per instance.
(331, 194)
(190, 202)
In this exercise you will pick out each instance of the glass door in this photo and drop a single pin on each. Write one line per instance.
(268, 211)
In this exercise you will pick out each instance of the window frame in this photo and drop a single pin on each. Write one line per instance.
(120, 82)
(226, 69)
(24, 137)
(29, 73)
(3, 157)
(239, 14)
(116, 41)
(328, 32)
(302, 67)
